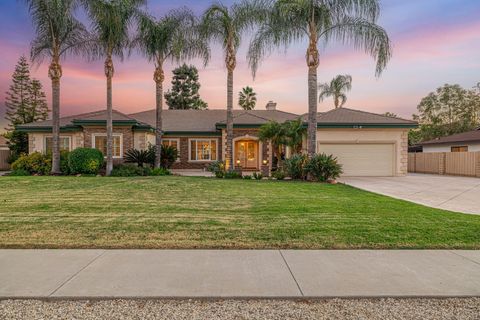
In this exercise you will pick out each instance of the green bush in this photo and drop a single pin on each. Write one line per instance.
(85, 161)
(34, 163)
(247, 177)
(160, 172)
(257, 176)
(64, 167)
(295, 166)
(168, 156)
(278, 174)
(130, 170)
(232, 175)
(323, 167)
(217, 168)
(19, 173)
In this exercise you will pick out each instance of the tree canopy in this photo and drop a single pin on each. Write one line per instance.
(185, 89)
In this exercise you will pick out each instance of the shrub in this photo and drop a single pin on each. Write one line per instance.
(160, 172)
(85, 160)
(257, 176)
(19, 173)
(295, 166)
(232, 175)
(130, 170)
(64, 167)
(278, 174)
(168, 156)
(217, 168)
(323, 167)
(34, 163)
(247, 177)
(140, 157)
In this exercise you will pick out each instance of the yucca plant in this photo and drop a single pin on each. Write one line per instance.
(140, 157)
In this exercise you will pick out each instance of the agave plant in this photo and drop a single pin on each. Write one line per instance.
(140, 157)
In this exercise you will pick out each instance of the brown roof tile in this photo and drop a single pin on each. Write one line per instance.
(351, 116)
(460, 137)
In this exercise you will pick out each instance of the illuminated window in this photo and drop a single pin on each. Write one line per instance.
(459, 149)
(203, 150)
(64, 144)
(100, 143)
(172, 143)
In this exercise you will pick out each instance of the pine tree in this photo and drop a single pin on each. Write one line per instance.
(185, 86)
(17, 98)
(25, 102)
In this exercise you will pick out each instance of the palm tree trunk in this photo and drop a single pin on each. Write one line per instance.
(109, 70)
(229, 149)
(55, 73)
(158, 77)
(312, 111)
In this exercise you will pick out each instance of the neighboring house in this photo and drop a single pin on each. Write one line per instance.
(366, 144)
(461, 142)
(3, 143)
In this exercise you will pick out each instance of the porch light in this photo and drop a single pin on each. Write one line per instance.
(265, 161)
(238, 161)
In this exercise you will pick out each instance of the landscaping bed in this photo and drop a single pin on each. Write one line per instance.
(187, 212)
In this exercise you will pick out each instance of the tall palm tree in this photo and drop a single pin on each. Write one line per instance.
(247, 98)
(348, 21)
(337, 88)
(58, 33)
(172, 37)
(111, 20)
(227, 26)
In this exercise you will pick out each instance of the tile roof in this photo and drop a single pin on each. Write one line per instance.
(470, 136)
(3, 141)
(357, 117)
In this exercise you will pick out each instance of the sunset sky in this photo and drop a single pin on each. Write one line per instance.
(435, 42)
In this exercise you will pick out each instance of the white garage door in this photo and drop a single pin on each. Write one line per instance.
(363, 160)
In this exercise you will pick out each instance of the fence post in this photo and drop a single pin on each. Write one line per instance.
(442, 163)
(477, 164)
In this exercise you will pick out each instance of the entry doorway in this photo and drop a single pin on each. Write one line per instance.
(246, 154)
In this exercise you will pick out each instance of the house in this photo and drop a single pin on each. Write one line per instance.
(3, 143)
(366, 144)
(461, 142)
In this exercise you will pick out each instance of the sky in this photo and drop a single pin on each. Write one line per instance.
(434, 42)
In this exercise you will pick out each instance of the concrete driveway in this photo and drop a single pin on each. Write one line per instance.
(460, 194)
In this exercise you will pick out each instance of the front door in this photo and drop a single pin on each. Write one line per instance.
(246, 154)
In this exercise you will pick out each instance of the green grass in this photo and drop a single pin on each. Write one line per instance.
(180, 212)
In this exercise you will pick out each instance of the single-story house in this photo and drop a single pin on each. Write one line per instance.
(461, 142)
(3, 143)
(366, 144)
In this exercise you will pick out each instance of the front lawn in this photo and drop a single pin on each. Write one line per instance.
(181, 212)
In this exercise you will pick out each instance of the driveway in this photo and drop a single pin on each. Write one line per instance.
(460, 194)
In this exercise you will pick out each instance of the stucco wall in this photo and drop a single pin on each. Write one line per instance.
(472, 147)
(397, 136)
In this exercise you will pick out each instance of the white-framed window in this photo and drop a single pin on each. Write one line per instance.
(202, 149)
(99, 141)
(168, 142)
(65, 144)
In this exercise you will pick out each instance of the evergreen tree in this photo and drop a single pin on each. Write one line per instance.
(184, 93)
(25, 102)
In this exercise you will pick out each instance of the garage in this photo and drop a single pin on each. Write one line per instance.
(363, 159)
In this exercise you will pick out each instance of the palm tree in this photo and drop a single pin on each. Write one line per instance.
(227, 26)
(169, 38)
(337, 88)
(294, 133)
(247, 98)
(275, 133)
(110, 21)
(348, 21)
(58, 33)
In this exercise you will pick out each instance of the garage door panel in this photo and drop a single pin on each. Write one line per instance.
(362, 159)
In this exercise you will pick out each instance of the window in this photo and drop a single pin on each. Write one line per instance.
(459, 149)
(64, 144)
(100, 142)
(172, 143)
(203, 150)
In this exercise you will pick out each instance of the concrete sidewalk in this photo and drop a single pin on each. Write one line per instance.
(237, 273)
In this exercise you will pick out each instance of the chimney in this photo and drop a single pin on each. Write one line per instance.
(271, 106)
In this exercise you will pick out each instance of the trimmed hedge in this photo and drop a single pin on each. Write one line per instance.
(85, 161)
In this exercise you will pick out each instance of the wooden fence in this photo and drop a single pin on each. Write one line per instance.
(451, 163)
(3, 159)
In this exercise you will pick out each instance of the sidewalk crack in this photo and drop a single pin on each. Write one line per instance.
(291, 273)
(462, 256)
(76, 273)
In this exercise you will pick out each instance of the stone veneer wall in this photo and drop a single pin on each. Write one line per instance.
(404, 153)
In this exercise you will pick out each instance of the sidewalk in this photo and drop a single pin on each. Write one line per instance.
(238, 273)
